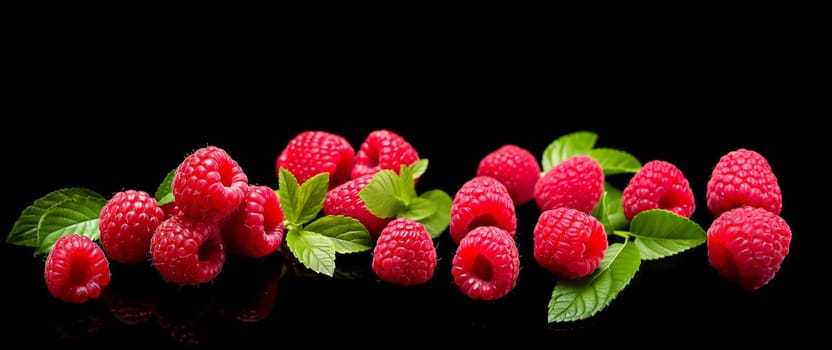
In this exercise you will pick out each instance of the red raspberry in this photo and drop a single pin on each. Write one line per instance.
(569, 242)
(743, 177)
(310, 153)
(514, 167)
(482, 201)
(76, 269)
(127, 222)
(170, 209)
(255, 229)
(658, 185)
(383, 149)
(486, 263)
(208, 184)
(404, 253)
(746, 246)
(187, 252)
(344, 200)
(577, 183)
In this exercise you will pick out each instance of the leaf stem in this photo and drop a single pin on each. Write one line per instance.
(622, 234)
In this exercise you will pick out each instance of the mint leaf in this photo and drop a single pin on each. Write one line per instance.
(311, 197)
(346, 234)
(579, 142)
(600, 213)
(164, 194)
(313, 251)
(25, 229)
(437, 222)
(383, 195)
(614, 208)
(287, 192)
(660, 233)
(579, 299)
(418, 209)
(614, 161)
(419, 167)
(76, 215)
(408, 185)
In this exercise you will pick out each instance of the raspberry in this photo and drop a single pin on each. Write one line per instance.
(743, 177)
(486, 263)
(127, 222)
(208, 184)
(569, 242)
(514, 167)
(76, 269)
(746, 246)
(344, 200)
(310, 153)
(187, 252)
(383, 149)
(404, 253)
(482, 201)
(255, 229)
(658, 185)
(170, 209)
(577, 183)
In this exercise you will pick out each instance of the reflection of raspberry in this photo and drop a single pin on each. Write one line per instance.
(76, 269)
(577, 183)
(569, 242)
(187, 252)
(344, 200)
(404, 253)
(743, 177)
(514, 167)
(486, 263)
(127, 222)
(208, 184)
(746, 246)
(248, 291)
(256, 228)
(482, 201)
(310, 153)
(383, 149)
(658, 185)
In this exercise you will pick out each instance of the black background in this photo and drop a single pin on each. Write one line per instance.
(117, 113)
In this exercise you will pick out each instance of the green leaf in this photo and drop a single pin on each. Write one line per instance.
(418, 209)
(408, 185)
(437, 222)
(614, 161)
(581, 298)
(600, 213)
(347, 235)
(311, 197)
(76, 215)
(287, 192)
(25, 229)
(419, 167)
(572, 144)
(660, 233)
(383, 194)
(615, 210)
(313, 251)
(164, 194)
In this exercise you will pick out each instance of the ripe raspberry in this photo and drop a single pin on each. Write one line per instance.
(187, 252)
(170, 209)
(344, 200)
(514, 167)
(482, 201)
(746, 246)
(658, 185)
(310, 153)
(743, 177)
(404, 253)
(569, 242)
(76, 269)
(255, 229)
(577, 183)
(486, 263)
(208, 184)
(127, 222)
(383, 149)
